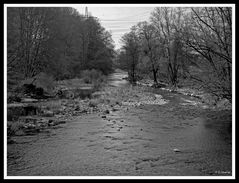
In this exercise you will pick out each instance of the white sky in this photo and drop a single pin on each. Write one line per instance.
(118, 20)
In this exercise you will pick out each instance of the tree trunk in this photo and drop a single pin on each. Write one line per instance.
(155, 76)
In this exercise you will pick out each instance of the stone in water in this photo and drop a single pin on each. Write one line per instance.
(176, 150)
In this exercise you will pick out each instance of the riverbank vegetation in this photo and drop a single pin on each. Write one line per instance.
(55, 41)
(183, 47)
(58, 59)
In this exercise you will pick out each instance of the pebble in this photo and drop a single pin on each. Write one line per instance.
(176, 150)
(48, 114)
(107, 111)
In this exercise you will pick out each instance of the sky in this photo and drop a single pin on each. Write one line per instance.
(118, 20)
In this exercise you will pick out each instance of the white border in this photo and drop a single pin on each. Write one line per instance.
(119, 177)
(5, 92)
(233, 91)
(120, 5)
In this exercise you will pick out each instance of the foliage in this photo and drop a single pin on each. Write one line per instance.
(93, 77)
(131, 50)
(211, 38)
(14, 127)
(182, 44)
(55, 40)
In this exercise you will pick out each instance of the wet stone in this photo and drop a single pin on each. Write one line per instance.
(48, 114)
(77, 108)
(176, 150)
(106, 111)
(115, 109)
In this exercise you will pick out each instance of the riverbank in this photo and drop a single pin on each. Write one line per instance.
(130, 134)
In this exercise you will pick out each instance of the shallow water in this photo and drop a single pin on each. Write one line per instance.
(116, 79)
(138, 141)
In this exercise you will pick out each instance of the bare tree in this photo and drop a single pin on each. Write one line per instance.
(56, 40)
(132, 48)
(151, 45)
(29, 34)
(210, 35)
(168, 22)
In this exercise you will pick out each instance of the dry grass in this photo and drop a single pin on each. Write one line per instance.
(14, 127)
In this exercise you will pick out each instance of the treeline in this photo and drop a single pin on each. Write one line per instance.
(57, 41)
(182, 44)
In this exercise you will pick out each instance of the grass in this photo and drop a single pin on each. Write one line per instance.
(51, 104)
(95, 102)
(91, 79)
(14, 128)
(94, 77)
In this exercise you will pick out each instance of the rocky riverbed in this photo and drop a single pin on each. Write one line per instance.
(126, 130)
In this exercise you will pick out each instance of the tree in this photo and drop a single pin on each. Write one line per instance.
(25, 53)
(131, 48)
(210, 35)
(100, 52)
(121, 59)
(151, 45)
(168, 22)
(64, 48)
(56, 40)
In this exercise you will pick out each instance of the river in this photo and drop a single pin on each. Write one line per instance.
(150, 140)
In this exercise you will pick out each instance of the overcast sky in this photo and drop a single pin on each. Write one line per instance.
(118, 20)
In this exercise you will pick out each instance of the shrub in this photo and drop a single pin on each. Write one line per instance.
(94, 102)
(37, 86)
(94, 77)
(13, 97)
(45, 81)
(87, 80)
(92, 74)
(97, 84)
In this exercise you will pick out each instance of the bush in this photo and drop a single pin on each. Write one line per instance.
(94, 102)
(45, 81)
(94, 77)
(87, 80)
(13, 97)
(104, 65)
(91, 75)
(36, 87)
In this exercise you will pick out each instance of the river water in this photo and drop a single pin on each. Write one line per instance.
(150, 140)
(116, 79)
